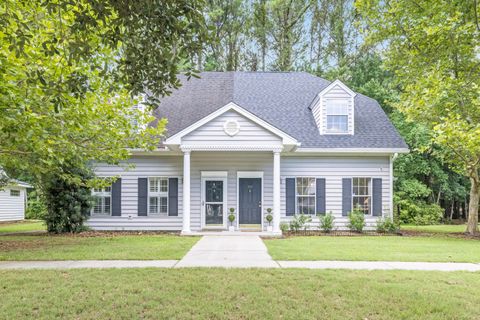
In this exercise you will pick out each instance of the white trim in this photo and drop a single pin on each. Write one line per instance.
(315, 196)
(214, 174)
(203, 223)
(237, 129)
(341, 85)
(353, 150)
(370, 194)
(176, 139)
(158, 195)
(250, 174)
(231, 148)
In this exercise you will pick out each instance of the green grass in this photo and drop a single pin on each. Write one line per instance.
(45, 247)
(238, 294)
(387, 248)
(438, 228)
(22, 226)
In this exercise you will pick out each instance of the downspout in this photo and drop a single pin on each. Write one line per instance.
(392, 159)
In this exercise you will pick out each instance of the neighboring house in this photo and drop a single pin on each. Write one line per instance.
(13, 199)
(288, 141)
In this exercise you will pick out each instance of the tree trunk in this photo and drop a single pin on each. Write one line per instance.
(472, 226)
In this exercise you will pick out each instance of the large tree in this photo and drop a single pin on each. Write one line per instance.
(432, 47)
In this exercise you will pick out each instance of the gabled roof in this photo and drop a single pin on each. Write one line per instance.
(13, 182)
(286, 139)
(281, 99)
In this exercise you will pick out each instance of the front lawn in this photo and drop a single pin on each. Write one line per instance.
(22, 226)
(238, 294)
(437, 228)
(380, 248)
(101, 247)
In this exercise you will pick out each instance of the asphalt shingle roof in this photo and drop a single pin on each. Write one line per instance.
(280, 98)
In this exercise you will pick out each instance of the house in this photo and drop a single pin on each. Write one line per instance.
(288, 141)
(13, 199)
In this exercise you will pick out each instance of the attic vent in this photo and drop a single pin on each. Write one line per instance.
(231, 127)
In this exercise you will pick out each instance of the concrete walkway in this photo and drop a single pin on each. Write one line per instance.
(242, 251)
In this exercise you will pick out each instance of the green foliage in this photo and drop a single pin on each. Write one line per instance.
(418, 212)
(327, 222)
(231, 218)
(356, 220)
(387, 225)
(284, 227)
(300, 222)
(269, 218)
(68, 200)
(36, 208)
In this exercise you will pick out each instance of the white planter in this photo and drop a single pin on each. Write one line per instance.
(269, 228)
(231, 228)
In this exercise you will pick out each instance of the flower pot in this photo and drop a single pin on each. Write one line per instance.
(231, 228)
(269, 228)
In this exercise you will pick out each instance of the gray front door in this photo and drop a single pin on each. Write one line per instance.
(250, 200)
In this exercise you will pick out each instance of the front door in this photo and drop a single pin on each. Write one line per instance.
(214, 206)
(250, 200)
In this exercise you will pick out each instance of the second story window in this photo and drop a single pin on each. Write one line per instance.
(337, 117)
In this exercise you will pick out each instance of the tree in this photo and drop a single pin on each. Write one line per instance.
(433, 51)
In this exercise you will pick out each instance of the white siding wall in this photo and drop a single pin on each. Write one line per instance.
(144, 167)
(12, 208)
(333, 169)
(213, 134)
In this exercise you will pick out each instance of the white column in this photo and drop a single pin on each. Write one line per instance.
(186, 192)
(276, 191)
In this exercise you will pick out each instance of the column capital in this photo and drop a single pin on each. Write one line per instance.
(277, 150)
(186, 150)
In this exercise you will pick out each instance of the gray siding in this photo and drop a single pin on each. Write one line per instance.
(333, 169)
(12, 208)
(143, 167)
(212, 133)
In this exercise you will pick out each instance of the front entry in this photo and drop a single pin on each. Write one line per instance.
(250, 200)
(213, 203)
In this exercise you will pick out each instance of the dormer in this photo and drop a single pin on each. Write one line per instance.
(333, 109)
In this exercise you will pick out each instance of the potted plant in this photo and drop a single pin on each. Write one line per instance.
(231, 218)
(269, 219)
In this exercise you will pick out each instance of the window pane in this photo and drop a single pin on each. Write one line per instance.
(306, 205)
(154, 184)
(305, 186)
(108, 189)
(164, 185)
(106, 207)
(337, 108)
(213, 214)
(15, 193)
(214, 191)
(153, 205)
(97, 206)
(337, 123)
(163, 205)
(362, 203)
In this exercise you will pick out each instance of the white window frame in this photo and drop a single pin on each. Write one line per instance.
(370, 196)
(15, 195)
(314, 195)
(330, 103)
(102, 193)
(158, 194)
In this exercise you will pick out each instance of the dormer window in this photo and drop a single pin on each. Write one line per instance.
(337, 116)
(333, 109)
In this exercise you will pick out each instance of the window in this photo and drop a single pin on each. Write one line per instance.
(158, 196)
(337, 117)
(361, 196)
(14, 193)
(305, 194)
(103, 201)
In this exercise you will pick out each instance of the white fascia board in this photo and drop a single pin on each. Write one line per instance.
(176, 139)
(367, 151)
(158, 151)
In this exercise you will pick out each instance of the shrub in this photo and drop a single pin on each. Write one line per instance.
(386, 226)
(300, 222)
(36, 209)
(231, 218)
(356, 220)
(419, 213)
(269, 218)
(326, 222)
(284, 227)
(68, 200)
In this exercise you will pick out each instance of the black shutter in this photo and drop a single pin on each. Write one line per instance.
(142, 196)
(346, 196)
(290, 195)
(173, 196)
(321, 198)
(117, 198)
(377, 197)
